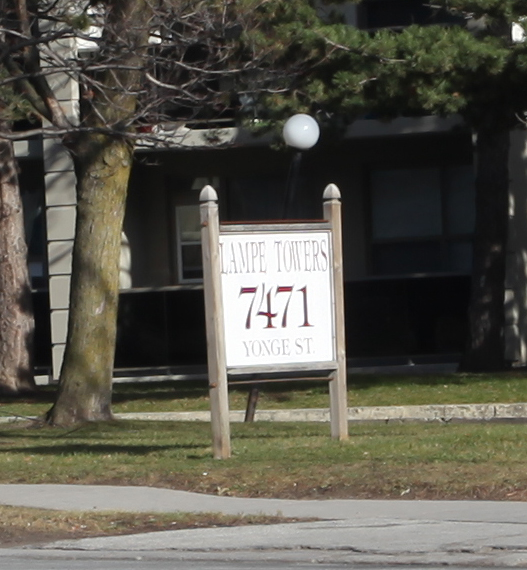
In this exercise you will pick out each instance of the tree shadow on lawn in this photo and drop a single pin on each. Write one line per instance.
(101, 438)
(161, 391)
(190, 389)
(122, 392)
(102, 449)
(43, 395)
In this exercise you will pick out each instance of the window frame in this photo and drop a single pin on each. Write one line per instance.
(181, 243)
(445, 239)
(440, 18)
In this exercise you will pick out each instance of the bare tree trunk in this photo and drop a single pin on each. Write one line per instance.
(85, 389)
(486, 345)
(16, 311)
(103, 164)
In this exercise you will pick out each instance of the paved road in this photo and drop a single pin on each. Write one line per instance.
(35, 563)
(167, 564)
(378, 533)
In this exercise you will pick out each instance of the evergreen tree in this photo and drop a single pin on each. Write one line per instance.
(470, 66)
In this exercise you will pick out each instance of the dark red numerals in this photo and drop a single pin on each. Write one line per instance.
(269, 314)
(250, 291)
(285, 289)
(267, 300)
(306, 320)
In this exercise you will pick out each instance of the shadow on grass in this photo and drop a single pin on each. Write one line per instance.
(118, 430)
(181, 390)
(160, 391)
(65, 450)
(281, 391)
(41, 396)
(190, 389)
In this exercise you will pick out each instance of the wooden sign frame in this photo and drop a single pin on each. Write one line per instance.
(275, 352)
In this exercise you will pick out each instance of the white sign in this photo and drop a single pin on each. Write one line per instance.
(277, 297)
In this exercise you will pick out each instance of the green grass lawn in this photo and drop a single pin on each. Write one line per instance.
(289, 460)
(363, 390)
(286, 460)
(479, 460)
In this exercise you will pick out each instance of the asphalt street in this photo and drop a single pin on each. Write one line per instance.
(358, 532)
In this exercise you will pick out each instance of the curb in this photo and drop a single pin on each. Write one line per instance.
(426, 413)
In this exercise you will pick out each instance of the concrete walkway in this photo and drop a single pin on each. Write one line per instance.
(426, 413)
(348, 531)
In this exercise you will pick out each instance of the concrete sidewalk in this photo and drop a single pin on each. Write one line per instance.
(425, 413)
(348, 531)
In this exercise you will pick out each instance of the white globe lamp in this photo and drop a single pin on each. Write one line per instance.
(301, 131)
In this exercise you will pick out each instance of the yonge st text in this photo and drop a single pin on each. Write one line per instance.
(277, 297)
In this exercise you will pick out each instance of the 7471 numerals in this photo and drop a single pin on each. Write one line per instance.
(268, 298)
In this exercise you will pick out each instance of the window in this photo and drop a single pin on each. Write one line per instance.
(188, 239)
(186, 229)
(422, 220)
(255, 198)
(374, 14)
(31, 176)
(243, 198)
(345, 12)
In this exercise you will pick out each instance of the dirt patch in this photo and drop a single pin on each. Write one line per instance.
(53, 529)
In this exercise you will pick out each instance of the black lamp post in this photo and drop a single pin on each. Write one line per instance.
(300, 132)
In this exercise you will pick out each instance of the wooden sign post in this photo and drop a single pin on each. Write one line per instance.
(274, 305)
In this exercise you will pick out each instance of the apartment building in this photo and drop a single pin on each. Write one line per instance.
(408, 211)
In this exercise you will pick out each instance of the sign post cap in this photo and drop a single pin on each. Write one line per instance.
(208, 194)
(331, 192)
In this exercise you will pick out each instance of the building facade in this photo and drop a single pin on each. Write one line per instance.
(408, 214)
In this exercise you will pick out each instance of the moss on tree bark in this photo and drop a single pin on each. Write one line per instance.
(103, 169)
(102, 163)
